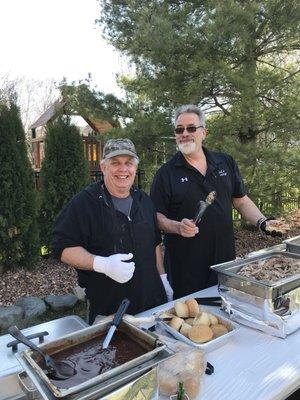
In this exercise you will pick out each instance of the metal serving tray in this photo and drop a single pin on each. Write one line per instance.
(136, 377)
(212, 344)
(293, 245)
(152, 346)
(228, 276)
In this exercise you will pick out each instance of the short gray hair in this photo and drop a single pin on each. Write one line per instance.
(192, 109)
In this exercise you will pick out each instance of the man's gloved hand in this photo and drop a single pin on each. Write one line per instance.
(269, 226)
(167, 286)
(115, 267)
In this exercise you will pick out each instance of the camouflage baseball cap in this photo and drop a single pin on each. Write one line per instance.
(118, 147)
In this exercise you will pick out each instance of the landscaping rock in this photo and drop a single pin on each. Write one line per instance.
(79, 293)
(11, 315)
(58, 303)
(32, 306)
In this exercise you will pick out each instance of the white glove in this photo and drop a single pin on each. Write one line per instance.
(167, 286)
(115, 267)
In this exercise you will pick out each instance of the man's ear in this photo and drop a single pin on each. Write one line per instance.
(102, 167)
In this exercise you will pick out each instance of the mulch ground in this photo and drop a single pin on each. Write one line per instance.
(52, 277)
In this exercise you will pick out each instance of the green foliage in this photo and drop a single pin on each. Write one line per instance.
(226, 55)
(18, 207)
(270, 165)
(64, 172)
(91, 104)
(236, 59)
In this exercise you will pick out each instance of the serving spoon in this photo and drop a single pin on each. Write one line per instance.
(57, 370)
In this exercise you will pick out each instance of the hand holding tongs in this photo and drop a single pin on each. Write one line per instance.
(202, 206)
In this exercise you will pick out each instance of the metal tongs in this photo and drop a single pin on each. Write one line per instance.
(209, 301)
(202, 206)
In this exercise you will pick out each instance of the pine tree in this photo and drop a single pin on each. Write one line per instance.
(236, 59)
(18, 206)
(64, 172)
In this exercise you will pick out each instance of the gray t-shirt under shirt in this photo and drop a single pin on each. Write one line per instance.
(122, 204)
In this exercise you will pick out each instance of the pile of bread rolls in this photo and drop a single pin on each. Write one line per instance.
(197, 325)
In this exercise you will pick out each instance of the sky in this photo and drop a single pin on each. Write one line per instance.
(52, 39)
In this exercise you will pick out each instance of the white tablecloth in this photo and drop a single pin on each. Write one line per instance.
(251, 365)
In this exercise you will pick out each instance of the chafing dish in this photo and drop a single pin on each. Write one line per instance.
(293, 245)
(155, 351)
(271, 307)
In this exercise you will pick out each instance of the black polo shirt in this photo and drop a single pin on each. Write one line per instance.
(176, 190)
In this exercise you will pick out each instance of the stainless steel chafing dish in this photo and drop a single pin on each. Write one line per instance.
(271, 307)
(293, 244)
(155, 352)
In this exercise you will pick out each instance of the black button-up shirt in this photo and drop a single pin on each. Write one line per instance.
(176, 190)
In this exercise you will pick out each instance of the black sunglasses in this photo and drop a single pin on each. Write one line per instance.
(189, 129)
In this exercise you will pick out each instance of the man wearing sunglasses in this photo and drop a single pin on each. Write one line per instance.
(195, 171)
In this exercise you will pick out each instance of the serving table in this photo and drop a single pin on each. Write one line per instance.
(251, 365)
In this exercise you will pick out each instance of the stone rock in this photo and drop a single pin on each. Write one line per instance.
(58, 303)
(79, 293)
(10, 315)
(32, 306)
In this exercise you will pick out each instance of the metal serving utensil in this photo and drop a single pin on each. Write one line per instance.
(202, 206)
(116, 321)
(57, 370)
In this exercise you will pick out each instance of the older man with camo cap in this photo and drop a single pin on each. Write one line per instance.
(109, 233)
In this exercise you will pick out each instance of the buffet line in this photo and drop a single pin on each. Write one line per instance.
(166, 353)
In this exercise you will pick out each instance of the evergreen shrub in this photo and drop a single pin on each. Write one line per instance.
(18, 205)
(64, 172)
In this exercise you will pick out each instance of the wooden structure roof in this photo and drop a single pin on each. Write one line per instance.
(97, 125)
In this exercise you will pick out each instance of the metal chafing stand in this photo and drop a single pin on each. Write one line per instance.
(271, 307)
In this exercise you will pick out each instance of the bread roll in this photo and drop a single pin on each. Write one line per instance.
(219, 330)
(193, 307)
(181, 309)
(190, 321)
(213, 319)
(168, 384)
(202, 319)
(176, 323)
(192, 386)
(200, 333)
(184, 330)
(167, 314)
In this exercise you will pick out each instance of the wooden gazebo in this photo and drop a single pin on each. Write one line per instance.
(90, 135)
